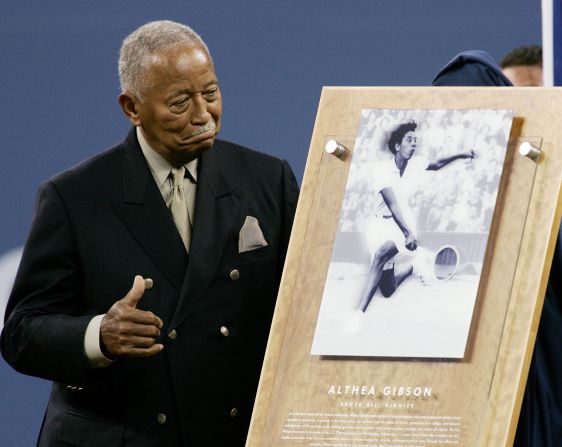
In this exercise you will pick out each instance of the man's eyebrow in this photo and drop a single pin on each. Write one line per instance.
(191, 92)
(213, 82)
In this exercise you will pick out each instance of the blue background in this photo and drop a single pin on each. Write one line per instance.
(59, 88)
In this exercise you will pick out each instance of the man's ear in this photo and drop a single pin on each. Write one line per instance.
(129, 105)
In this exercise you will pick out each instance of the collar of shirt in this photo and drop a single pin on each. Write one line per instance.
(159, 166)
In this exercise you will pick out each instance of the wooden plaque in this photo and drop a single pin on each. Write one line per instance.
(313, 400)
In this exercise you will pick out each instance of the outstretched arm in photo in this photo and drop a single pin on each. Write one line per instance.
(442, 162)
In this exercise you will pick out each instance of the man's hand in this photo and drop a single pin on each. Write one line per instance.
(411, 243)
(126, 331)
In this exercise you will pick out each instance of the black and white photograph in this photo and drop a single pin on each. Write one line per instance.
(412, 233)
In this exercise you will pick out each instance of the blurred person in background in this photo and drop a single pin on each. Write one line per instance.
(523, 66)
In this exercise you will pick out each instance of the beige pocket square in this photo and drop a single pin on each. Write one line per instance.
(251, 236)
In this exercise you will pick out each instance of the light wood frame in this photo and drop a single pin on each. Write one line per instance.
(483, 391)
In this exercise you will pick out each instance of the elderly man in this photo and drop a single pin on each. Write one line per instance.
(198, 226)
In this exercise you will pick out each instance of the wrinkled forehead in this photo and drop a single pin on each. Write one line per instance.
(189, 66)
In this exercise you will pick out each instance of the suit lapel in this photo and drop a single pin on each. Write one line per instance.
(144, 213)
(216, 208)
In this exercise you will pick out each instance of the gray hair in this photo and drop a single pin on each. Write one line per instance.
(140, 47)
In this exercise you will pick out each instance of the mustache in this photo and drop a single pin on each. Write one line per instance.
(202, 129)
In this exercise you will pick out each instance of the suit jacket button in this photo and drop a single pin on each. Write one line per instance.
(234, 412)
(172, 335)
(234, 274)
(161, 418)
(148, 283)
(224, 331)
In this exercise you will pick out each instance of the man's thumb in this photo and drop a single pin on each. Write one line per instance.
(137, 291)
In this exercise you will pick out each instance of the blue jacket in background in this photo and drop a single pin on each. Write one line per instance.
(540, 421)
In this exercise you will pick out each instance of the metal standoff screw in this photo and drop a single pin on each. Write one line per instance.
(335, 148)
(528, 150)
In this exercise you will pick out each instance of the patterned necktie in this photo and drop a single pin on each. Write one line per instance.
(178, 206)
